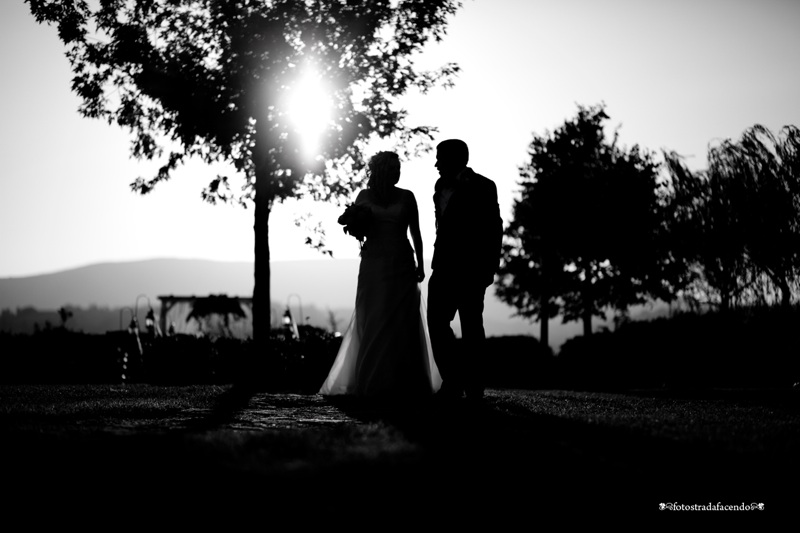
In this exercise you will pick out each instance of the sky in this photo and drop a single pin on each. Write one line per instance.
(673, 75)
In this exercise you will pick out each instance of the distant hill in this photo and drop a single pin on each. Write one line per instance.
(320, 287)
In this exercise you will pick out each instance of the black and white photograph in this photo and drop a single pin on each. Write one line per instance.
(399, 264)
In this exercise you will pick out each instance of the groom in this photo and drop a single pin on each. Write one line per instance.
(466, 255)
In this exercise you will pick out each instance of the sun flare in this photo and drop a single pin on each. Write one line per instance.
(309, 108)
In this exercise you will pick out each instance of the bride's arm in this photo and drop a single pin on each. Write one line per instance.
(416, 237)
(362, 197)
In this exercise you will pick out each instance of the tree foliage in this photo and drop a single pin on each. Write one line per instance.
(210, 78)
(739, 220)
(585, 232)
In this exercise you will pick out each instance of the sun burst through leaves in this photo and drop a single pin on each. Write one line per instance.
(309, 109)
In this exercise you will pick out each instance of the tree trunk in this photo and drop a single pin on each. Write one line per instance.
(588, 301)
(544, 313)
(544, 323)
(786, 294)
(724, 300)
(587, 323)
(262, 307)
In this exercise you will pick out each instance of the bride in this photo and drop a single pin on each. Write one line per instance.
(385, 351)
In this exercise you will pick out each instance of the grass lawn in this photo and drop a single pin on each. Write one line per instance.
(118, 455)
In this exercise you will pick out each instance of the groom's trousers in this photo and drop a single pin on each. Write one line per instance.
(462, 370)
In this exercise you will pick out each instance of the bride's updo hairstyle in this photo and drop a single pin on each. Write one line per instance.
(383, 171)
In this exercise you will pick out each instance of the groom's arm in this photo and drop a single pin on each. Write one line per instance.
(416, 237)
(494, 233)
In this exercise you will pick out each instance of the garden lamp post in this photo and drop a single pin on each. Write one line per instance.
(290, 324)
(136, 305)
(299, 304)
(133, 318)
(150, 323)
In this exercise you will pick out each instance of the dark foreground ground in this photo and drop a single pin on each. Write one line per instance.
(132, 456)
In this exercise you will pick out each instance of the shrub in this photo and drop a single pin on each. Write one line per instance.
(749, 348)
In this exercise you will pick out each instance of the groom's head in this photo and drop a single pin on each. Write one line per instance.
(452, 157)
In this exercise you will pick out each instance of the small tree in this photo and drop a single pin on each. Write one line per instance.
(231, 80)
(64, 314)
(584, 232)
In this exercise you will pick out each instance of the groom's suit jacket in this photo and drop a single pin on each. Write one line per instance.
(469, 231)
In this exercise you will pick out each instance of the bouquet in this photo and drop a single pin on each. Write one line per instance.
(356, 220)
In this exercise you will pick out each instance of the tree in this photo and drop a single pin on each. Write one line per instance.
(763, 171)
(585, 230)
(741, 219)
(683, 223)
(234, 81)
(64, 314)
(710, 226)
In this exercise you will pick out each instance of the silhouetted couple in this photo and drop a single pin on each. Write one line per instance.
(386, 351)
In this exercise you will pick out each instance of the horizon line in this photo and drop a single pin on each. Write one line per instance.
(162, 258)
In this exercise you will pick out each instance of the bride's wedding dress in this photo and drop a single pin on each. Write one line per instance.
(386, 351)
